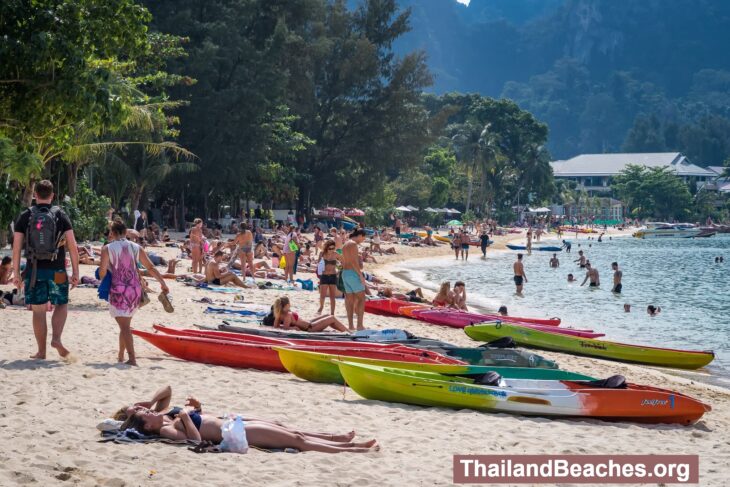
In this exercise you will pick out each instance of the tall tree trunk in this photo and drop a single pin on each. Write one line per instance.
(73, 177)
(28, 194)
(469, 192)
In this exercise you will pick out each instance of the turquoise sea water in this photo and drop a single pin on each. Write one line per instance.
(679, 275)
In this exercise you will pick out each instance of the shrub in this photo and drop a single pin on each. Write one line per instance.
(87, 211)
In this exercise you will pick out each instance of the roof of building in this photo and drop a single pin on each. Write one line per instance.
(717, 169)
(612, 164)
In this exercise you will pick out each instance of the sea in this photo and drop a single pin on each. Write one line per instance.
(678, 275)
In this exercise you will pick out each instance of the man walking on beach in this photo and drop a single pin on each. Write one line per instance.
(591, 274)
(44, 231)
(353, 280)
(617, 275)
(520, 277)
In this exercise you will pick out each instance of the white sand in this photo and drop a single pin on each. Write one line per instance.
(49, 410)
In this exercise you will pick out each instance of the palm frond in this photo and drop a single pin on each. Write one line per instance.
(152, 148)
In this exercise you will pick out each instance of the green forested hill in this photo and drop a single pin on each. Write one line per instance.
(606, 75)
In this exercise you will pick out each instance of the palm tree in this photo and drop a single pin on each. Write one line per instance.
(472, 142)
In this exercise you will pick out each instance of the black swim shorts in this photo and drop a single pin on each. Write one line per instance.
(617, 288)
(518, 280)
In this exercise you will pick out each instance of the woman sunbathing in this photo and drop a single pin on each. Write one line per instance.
(191, 423)
(285, 318)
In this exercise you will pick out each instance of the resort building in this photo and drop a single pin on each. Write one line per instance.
(594, 172)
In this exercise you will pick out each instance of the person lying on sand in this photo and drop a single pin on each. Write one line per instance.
(285, 318)
(414, 296)
(191, 423)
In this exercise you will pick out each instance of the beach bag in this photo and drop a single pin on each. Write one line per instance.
(340, 282)
(307, 284)
(282, 262)
(41, 237)
(293, 247)
(269, 318)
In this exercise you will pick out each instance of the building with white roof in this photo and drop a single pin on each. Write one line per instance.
(593, 172)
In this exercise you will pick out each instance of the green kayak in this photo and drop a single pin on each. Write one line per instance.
(322, 367)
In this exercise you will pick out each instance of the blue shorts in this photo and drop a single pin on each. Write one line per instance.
(50, 286)
(352, 282)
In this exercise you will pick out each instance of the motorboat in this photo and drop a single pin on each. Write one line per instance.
(668, 230)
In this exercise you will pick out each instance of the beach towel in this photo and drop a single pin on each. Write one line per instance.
(104, 285)
(242, 312)
(307, 284)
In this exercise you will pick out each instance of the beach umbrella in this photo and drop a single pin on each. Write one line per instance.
(403, 208)
(431, 210)
(454, 223)
(455, 211)
(412, 208)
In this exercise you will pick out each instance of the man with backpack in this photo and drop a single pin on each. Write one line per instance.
(45, 231)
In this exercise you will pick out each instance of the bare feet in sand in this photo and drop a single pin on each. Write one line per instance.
(62, 351)
(364, 444)
(131, 362)
(344, 438)
(39, 356)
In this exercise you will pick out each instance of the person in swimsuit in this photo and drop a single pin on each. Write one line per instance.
(653, 310)
(617, 276)
(581, 260)
(591, 274)
(456, 244)
(529, 240)
(464, 245)
(328, 276)
(191, 423)
(285, 318)
(243, 250)
(445, 297)
(503, 311)
(196, 245)
(291, 247)
(566, 245)
(220, 277)
(554, 262)
(460, 296)
(519, 271)
(353, 279)
(484, 243)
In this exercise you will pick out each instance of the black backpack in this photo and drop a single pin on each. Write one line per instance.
(41, 237)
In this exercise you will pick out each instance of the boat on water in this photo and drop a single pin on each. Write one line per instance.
(610, 399)
(668, 230)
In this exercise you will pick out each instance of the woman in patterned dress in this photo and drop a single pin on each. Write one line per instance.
(120, 257)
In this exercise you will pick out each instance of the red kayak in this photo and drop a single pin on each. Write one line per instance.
(281, 342)
(260, 356)
(481, 317)
(391, 307)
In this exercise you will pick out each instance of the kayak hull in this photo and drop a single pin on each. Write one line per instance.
(533, 398)
(320, 367)
(590, 347)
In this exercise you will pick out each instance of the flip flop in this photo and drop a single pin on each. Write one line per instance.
(162, 298)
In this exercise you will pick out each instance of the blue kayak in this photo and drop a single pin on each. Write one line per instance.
(544, 249)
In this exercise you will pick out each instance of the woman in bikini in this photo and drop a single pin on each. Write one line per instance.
(445, 297)
(191, 423)
(244, 243)
(196, 245)
(285, 318)
(328, 276)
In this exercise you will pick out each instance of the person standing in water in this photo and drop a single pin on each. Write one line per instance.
(484, 242)
(519, 271)
(464, 245)
(581, 260)
(567, 245)
(617, 275)
(592, 274)
(554, 262)
(456, 244)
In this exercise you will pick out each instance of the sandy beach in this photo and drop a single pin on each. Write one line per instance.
(50, 408)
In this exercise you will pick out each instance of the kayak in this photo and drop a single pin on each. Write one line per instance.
(322, 367)
(527, 397)
(456, 319)
(482, 355)
(216, 352)
(263, 357)
(547, 248)
(289, 342)
(390, 307)
(472, 318)
(621, 352)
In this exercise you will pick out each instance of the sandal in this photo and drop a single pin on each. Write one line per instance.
(165, 300)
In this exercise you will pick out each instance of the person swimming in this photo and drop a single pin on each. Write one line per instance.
(503, 310)
(571, 278)
(653, 310)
